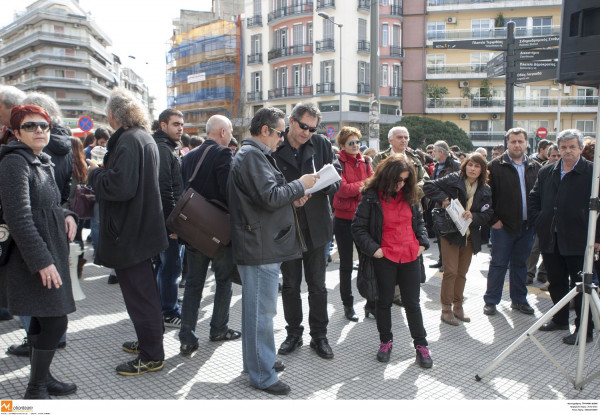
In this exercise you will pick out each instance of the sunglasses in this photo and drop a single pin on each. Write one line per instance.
(306, 127)
(32, 126)
(402, 180)
(353, 143)
(279, 133)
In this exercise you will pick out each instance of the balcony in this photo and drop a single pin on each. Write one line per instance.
(492, 33)
(486, 137)
(474, 70)
(50, 82)
(292, 91)
(326, 88)
(294, 50)
(396, 52)
(254, 21)
(295, 10)
(396, 10)
(547, 104)
(255, 96)
(455, 5)
(364, 46)
(364, 5)
(326, 45)
(395, 91)
(255, 58)
(363, 88)
(325, 4)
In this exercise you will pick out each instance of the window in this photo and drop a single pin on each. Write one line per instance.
(309, 33)
(539, 96)
(359, 106)
(328, 32)
(436, 30)
(59, 29)
(385, 71)
(329, 106)
(479, 61)
(436, 63)
(255, 41)
(59, 73)
(280, 107)
(586, 96)
(298, 34)
(69, 52)
(257, 7)
(280, 38)
(385, 3)
(326, 72)
(297, 76)
(256, 81)
(255, 108)
(395, 35)
(396, 76)
(308, 74)
(478, 125)
(387, 109)
(586, 127)
(384, 35)
(363, 72)
(481, 28)
(61, 94)
(542, 26)
(362, 29)
(70, 74)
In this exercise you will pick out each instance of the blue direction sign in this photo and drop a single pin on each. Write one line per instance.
(330, 132)
(85, 123)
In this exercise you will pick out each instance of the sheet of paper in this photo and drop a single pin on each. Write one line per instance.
(456, 210)
(327, 175)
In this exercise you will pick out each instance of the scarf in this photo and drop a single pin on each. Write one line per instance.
(471, 189)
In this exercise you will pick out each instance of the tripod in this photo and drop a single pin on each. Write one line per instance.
(589, 301)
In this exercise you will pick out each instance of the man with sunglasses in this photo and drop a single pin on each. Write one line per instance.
(303, 152)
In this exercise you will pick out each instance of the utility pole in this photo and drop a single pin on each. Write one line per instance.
(511, 76)
(374, 81)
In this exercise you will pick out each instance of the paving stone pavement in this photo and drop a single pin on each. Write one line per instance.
(101, 324)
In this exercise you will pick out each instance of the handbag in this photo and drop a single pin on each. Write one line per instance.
(6, 240)
(442, 222)
(365, 280)
(202, 223)
(83, 201)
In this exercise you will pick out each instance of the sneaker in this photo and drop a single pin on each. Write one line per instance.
(132, 347)
(112, 279)
(228, 335)
(19, 349)
(383, 355)
(137, 367)
(188, 349)
(174, 321)
(423, 357)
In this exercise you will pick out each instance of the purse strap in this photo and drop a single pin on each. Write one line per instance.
(208, 148)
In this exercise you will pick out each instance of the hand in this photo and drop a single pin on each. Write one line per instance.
(91, 165)
(50, 275)
(445, 203)
(497, 225)
(421, 250)
(596, 247)
(300, 202)
(467, 215)
(378, 253)
(309, 180)
(173, 236)
(70, 227)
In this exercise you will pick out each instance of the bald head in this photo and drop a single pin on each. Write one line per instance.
(219, 128)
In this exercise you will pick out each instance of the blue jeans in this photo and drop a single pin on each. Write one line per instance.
(513, 249)
(26, 322)
(167, 273)
(197, 265)
(260, 284)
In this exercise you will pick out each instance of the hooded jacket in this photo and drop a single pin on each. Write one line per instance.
(169, 172)
(60, 151)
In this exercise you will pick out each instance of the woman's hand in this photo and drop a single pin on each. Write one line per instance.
(378, 253)
(70, 227)
(421, 250)
(50, 275)
(467, 215)
(91, 165)
(446, 203)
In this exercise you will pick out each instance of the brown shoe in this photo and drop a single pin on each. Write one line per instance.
(80, 265)
(447, 316)
(459, 313)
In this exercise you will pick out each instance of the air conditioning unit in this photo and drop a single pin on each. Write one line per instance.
(451, 20)
(464, 116)
(463, 84)
(495, 116)
(398, 112)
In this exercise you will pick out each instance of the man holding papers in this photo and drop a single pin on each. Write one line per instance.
(302, 152)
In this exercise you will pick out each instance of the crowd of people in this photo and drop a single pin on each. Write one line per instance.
(383, 208)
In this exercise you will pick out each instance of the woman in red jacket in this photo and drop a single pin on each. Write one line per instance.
(353, 170)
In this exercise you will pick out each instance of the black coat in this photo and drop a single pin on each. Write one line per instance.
(132, 226)
(60, 151)
(562, 205)
(367, 225)
(316, 213)
(169, 172)
(437, 191)
(506, 190)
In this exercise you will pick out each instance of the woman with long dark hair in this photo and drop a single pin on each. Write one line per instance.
(80, 173)
(388, 226)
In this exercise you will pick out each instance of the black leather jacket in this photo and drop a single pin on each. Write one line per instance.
(367, 225)
(263, 222)
(169, 172)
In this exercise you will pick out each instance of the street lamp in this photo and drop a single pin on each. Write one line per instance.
(559, 89)
(328, 17)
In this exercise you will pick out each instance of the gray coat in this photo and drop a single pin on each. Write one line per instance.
(32, 211)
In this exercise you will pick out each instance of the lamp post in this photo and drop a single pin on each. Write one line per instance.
(328, 17)
(559, 89)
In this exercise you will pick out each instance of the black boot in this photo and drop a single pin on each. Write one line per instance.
(38, 377)
(54, 386)
(350, 314)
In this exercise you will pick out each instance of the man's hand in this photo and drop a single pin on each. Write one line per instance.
(300, 202)
(497, 225)
(173, 236)
(91, 165)
(445, 203)
(309, 180)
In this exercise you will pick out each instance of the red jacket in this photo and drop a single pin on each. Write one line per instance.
(354, 171)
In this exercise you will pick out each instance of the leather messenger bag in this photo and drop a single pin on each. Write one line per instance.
(202, 223)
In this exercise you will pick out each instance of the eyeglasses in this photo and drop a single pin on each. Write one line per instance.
(279, 133)
(353, 143)
(429, 151)
(32, 126)
(306, 127)
(402, 180)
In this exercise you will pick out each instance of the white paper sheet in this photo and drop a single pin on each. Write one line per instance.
(327, 175)
(456, 210)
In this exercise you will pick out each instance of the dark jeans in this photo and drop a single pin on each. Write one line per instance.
(140, 292)
(197, 265)
(343, 237)
(559, 268)
(49, 331)
(314, 274)
(408, 277)
(167, 273)
(509, 248)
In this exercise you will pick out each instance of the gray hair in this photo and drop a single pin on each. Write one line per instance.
(482, 151)
(397, 128)
(268, 116)
(217, 122)
(443, 147)
(309, 108)
(11, 96)
(46, 102)
(567, 135)
(126, 110)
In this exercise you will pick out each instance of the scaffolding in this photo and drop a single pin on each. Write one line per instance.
(204, 71)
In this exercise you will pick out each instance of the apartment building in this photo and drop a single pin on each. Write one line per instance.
(292, 54)
(453, 85)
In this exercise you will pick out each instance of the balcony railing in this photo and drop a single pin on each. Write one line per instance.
(396, 10)
(290, 91)
(363, 88)
(486, 136)
(325, 4)
(254, 96)
(364, 5)
(302, 8)
(396, 51)
(457, 69)
(490, 2)
(326, 88)
(255, 58)
(537, 102)
(395, 91)
(493, 33)
(293, 50)
(254, 21)
(364, 46)
(326, 45)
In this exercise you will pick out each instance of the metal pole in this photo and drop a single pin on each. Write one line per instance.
(340, 69)
(558, 111)
(374, 78)
(510, 78)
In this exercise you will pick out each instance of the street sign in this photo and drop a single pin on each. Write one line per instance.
(496, 71)
(534, 76)
(482, 44)
(536, 65)
(85, 123)
(330, 131)
(542, 132)
(537, 54)
(497, 60)
(536, 42)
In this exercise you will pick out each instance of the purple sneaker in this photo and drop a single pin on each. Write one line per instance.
(383, 355)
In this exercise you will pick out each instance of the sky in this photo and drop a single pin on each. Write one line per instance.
(139, 28)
